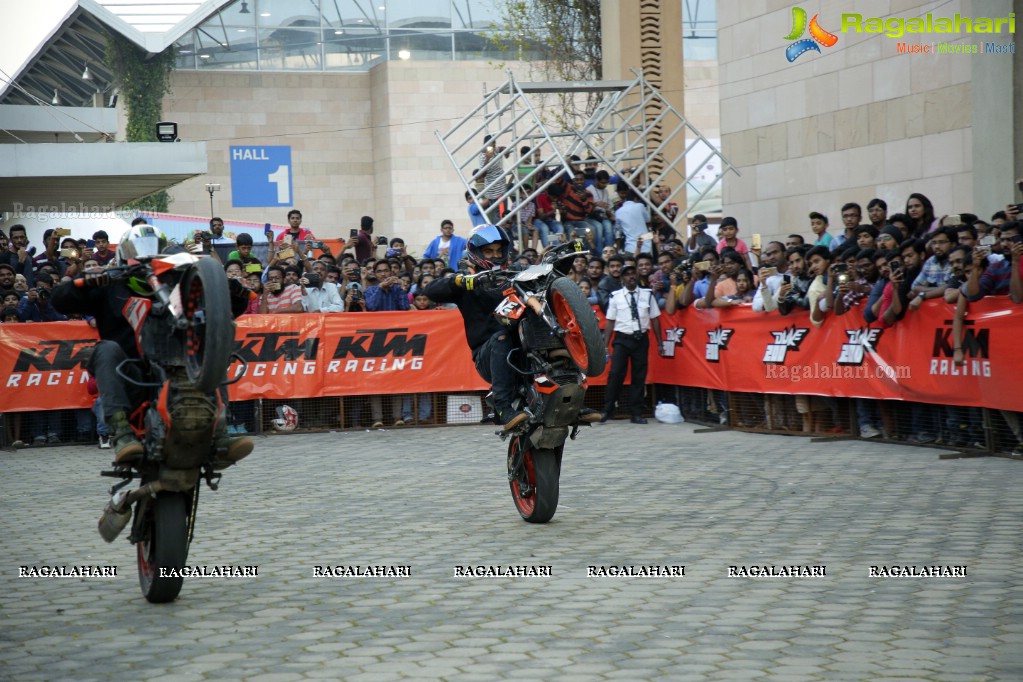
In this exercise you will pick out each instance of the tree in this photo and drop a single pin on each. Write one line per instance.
(143, 80)
(564, 37)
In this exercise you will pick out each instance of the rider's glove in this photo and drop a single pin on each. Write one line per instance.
(470, 282)
(95, 278)
(237, 289)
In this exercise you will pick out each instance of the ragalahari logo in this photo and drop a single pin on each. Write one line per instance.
(817, 35)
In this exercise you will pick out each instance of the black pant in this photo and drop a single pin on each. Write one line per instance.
(491, 361)
(117, 394)
(626, 348)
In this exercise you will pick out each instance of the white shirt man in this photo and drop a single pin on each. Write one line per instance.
(632, 218)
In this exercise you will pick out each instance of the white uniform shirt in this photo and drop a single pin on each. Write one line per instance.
(619, 310)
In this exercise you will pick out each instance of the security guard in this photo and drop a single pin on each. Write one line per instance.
(630, 314)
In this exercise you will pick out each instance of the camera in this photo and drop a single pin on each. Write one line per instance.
(205, 236)
(43, 293)
(382, 241)
(355, 289)
(684, 268)
(314, 280)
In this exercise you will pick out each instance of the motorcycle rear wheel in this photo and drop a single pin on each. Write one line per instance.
(534, 482)
(164, 544)
(209, 337)
(583, 338)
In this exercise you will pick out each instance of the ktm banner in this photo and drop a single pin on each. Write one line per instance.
(739, 350)
(42, 366)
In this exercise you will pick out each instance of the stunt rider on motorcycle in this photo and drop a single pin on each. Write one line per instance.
(489, 340)
(104, 300)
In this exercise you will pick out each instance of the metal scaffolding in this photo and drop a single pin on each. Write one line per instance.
(629, 133)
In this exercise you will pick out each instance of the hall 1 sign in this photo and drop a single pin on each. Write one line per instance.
(261, 176)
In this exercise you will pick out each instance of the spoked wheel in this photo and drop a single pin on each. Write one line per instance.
(209, 337)
(533, 475)
(164, 544)
(582, 338)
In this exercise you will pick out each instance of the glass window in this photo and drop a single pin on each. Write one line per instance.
(420, 45)
(476, 13)
(699, 30)
(417, 13)
(355, 14)
(298, 13)
(353, 49)
(471, 45)
(288, 48)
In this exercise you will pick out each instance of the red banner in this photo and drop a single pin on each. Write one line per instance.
(43, 365)
(739, 350)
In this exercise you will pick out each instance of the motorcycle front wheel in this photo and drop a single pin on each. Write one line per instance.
(533, 475)
(582, 338)
(209, 337)
(164, 545)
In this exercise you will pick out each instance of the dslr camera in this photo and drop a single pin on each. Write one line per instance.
(314, 280)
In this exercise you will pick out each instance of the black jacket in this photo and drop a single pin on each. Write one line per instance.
(105, 304)
(477, 308)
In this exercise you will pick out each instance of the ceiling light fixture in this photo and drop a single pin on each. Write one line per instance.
(86, 76)
(56, 98)
(245, 8)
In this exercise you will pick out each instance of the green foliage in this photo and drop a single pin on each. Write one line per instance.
(143, 80)
(564, 38)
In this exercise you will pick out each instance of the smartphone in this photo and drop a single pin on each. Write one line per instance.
(353, 233)
(273, 286)
(786, 279)
(286, 253)
(952, 220)
(90, 244)
(843, 278)
(253, 267)
(841, 269)
(764, 273)
(987, 241)
(702, 266)
(69, 253)
(62, 232)
(755, 241)
(1016, 238)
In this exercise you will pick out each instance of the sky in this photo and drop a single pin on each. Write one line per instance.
(24, 25)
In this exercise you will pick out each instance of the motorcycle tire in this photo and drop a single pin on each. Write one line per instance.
(534, 484)
(209, 337)
(164, 545)
(583, 339)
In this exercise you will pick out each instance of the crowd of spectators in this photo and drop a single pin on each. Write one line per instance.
(886, 266)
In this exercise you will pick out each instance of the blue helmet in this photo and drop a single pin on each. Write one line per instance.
(480, 237)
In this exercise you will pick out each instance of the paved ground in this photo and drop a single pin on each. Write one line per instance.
(435, 499)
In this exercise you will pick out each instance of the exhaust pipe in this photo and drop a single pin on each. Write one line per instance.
(117, 513)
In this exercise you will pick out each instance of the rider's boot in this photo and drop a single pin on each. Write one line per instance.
(510, 418)
(229, 450)
(126, 446)
(588, 416)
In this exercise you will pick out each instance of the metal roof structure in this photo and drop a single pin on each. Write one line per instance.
(67, 68)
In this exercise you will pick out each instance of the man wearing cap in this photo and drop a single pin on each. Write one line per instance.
(631, 313)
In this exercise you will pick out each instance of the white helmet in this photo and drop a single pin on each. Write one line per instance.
(141, 241)
(287, 419)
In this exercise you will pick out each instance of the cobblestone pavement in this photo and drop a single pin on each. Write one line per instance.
(434, 499)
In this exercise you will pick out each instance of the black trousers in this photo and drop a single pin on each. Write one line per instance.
(491, 360)
(117, 394)
(627, 349)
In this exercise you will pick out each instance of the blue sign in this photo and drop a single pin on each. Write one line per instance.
(260, 176)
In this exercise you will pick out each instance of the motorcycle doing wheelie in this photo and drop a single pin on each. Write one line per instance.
(185, 338)
(560, 345)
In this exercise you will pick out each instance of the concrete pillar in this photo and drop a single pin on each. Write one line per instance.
(647, 35)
